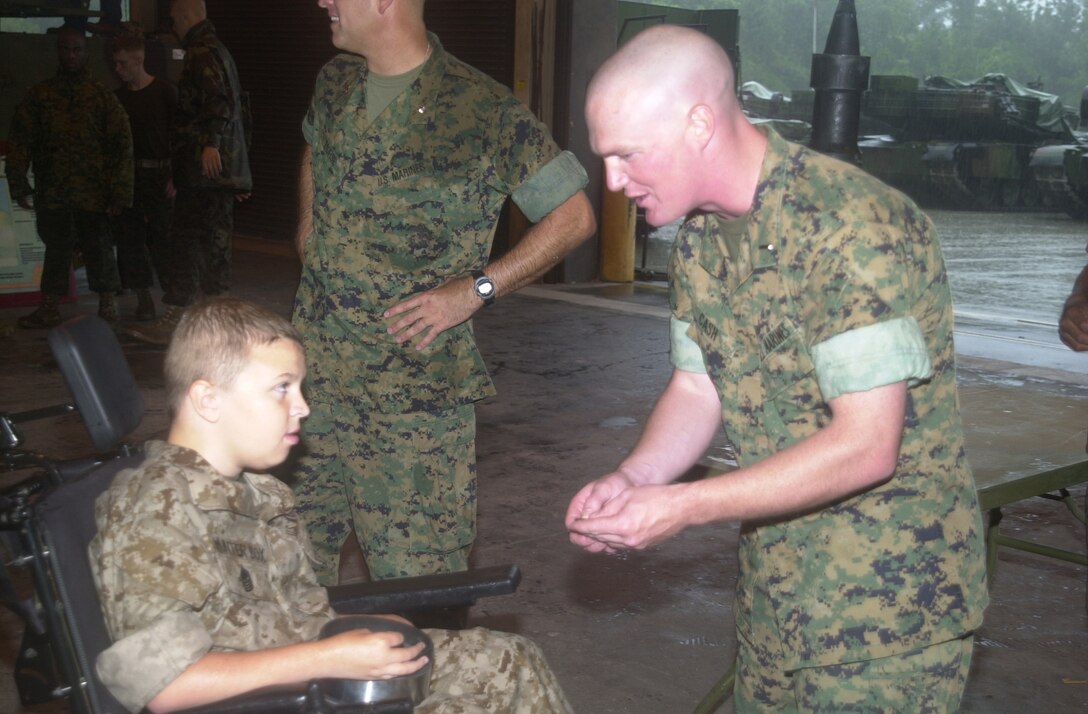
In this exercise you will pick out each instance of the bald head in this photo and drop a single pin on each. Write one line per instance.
(664, 68)
(186, 14)
(664, 115)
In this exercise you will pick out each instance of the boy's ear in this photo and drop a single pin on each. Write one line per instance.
(204, 399)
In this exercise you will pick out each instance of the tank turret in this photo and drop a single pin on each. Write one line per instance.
(962, 144)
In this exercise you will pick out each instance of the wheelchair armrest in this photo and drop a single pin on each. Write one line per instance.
(311, 701)
(256, 703)
(424, 591)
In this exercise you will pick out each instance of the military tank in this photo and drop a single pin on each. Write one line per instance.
(961, 144)
(766, 106)
(1061, 170)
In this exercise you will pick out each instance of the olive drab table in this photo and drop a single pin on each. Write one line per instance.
(1023, 445)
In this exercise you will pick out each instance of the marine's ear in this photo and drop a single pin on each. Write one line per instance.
(701, 125)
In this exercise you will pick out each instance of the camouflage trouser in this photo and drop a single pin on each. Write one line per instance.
(63, 231)
(926, 681)
(405, 482)
(199, 243)
(141, 230)
(481, 671)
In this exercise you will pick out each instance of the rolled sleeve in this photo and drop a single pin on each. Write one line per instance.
(557, 181)
(308, 129)
(872, 356)
(684, 352)
(136, 668)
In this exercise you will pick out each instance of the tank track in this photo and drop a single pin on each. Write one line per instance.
(1057, 192)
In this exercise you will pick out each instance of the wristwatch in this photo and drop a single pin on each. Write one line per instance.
(484, 287)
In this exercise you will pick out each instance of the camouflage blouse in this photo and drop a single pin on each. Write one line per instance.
(187, 561)
(75, 135)
(835, 283)
(404, 202)
(212, 110)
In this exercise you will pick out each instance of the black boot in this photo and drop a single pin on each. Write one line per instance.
(47, 315)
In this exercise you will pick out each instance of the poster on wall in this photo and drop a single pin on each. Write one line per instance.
(21, 252)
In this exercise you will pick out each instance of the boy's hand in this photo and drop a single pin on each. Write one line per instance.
(364, 654)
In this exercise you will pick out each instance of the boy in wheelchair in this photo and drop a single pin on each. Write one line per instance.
(205, 572)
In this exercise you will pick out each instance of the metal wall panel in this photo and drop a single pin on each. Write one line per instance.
(479, 32)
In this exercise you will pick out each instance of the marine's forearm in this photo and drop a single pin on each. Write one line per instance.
(544, 245)
(305, 225)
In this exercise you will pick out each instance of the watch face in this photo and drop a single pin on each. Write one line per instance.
(485, 288)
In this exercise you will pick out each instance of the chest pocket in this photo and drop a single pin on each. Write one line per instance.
(780, 375)
(244, 564)
(417, 201)
(794, 406)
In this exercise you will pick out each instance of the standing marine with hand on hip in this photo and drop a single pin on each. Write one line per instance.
(411, 155)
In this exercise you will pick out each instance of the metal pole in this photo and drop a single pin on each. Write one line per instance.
(814, 27)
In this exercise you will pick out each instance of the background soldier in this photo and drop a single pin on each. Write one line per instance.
(210, 162)
(74, 133)
(141, 237)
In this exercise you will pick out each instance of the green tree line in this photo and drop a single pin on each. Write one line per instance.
(1037, 42)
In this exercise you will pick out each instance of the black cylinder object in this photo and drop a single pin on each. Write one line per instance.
(839, 76)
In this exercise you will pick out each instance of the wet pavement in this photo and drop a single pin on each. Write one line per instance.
(578, 368)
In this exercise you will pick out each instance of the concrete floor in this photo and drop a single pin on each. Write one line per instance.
(578, 369)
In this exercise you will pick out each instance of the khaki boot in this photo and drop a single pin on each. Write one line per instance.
(47, 315)
(107, 307)
(145, 306)
(160, 331)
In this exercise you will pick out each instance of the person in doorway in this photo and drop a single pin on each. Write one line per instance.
(410, 157)
(210, 165)
(205, 574)
(141, 236)
(74, 134)
(811, 316)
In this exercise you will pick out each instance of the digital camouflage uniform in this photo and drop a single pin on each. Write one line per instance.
(210, 112)
(834, 283)
(142, 229)
(188, 561)
(74, 133)
(404, 202)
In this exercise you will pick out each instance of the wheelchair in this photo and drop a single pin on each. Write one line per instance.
(47, 520)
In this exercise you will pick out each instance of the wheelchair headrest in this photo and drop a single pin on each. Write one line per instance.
(99, 379)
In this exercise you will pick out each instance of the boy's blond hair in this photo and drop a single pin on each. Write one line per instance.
(213, 340)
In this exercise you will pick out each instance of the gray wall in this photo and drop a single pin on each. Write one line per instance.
(592, 40)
